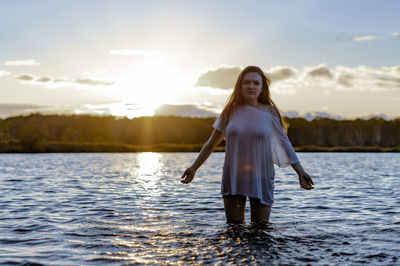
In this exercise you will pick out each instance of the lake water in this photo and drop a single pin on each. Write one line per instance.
(131, 208)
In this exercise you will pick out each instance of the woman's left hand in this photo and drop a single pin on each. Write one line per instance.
(305, 180)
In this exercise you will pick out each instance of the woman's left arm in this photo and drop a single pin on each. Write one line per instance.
(304, 179)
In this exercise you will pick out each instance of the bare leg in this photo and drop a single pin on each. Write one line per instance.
(234, 208)
(259, 212)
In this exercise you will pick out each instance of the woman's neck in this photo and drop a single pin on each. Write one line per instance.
(252, 103)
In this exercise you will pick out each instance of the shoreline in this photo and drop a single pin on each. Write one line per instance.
(67, 147)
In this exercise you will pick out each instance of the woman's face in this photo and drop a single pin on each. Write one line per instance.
(251, 86)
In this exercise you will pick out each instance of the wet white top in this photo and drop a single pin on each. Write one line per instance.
(255, 140)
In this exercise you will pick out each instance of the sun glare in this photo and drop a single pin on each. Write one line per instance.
(152, 85)
(149, 171)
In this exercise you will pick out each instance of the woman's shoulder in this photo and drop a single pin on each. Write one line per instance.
(272, 110)
(268, 108)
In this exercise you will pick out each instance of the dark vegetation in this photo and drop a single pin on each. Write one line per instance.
(85, 133)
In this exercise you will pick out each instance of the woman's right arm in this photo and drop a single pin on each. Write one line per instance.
(204, 153)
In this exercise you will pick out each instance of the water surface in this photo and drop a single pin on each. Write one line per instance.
(131, 208)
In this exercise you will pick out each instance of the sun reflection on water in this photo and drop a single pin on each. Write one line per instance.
(149, 168)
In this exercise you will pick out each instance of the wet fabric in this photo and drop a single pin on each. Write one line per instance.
(255, 140)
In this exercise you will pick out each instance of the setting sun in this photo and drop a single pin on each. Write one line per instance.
(153, 84)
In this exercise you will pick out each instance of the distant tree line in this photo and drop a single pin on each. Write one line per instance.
(66, 133)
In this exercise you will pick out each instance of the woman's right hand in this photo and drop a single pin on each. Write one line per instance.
(188, 176)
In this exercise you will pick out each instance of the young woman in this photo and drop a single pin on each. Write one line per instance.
(255, 139)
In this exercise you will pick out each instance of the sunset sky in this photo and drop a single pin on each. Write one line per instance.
(139, 58)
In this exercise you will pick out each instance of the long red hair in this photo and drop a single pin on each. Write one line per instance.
(236, 98)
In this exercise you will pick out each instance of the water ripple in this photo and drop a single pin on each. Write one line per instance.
(131, 208)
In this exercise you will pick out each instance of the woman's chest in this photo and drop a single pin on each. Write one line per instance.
(255, 124)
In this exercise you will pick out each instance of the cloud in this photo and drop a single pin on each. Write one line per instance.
(27, 62)
(133, 110)
(381, 115)
(25, 77)
(221, 77)
(396, 34)
(134, 52)
(13, 109)
(394, 70)
(281, 73)
(312, 115)
(389, 78)
(46, 79)
(320, 71)
(43, 79)
(183, 110)
(121, 109)
(4, 73)
(345, 79)
(290, 114)
(365, 38)
(388, 82)
(66, 80)
(290, 80)
(116, 109)
(363, 78)
(93, 82)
